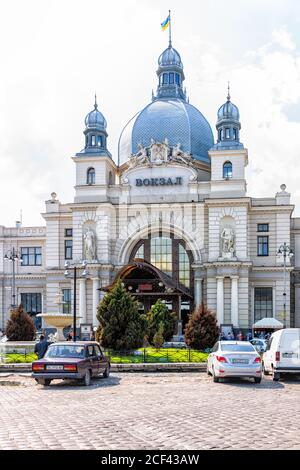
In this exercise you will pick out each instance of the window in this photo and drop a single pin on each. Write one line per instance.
(220, 134)
(227, 170)
(263, 302)
(110, 179)
(165, 79)
(93, 140)
(184, 267)
(171, 78)
(161, 254)
(177, 78)
(68, 232)
(234, 134)
(32, 304)
(67, 300)
(262, 227)
(262, 246)
(99, 140)
(140, 252)
(227, 133)
(68, 249)
(91, 176)
(31, 256)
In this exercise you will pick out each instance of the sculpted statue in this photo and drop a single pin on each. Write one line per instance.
(89, 245)
(140, 157)
(179, 156)
(227, 239)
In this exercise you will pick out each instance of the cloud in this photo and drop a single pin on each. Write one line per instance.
(55, 55)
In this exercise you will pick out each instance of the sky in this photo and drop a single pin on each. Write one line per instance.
(55, 54)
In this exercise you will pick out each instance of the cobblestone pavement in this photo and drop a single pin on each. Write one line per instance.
(149, 411)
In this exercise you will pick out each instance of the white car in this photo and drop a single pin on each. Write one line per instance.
(259, 344)
(283, 353)
(234, 359)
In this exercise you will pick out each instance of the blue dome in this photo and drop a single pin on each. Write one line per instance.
(95, 119)
(228, 111)
(170, 57)
(174, 119)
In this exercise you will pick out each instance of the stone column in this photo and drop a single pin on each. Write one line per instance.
(96, 298)
(82, 300)
(198, 291)
(234, 301)
(220, 299)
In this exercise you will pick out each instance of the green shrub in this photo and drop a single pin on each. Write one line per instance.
(121, 326)
(20, 326)
(202, 331)
(159, 313)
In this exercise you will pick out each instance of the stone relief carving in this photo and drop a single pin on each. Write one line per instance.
(159, 153)
(227, 243)
(89, 245)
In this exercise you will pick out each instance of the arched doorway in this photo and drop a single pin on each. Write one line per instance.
(160, 268)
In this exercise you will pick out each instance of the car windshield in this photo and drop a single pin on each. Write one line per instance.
(65, 351)
(237, 347)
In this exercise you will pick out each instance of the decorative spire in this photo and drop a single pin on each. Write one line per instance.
(96, 104)
(228, 95)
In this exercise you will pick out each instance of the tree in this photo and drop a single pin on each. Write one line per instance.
(158, 338)
(159, 313)
(20, 326)
(202, 331)
(121, 326)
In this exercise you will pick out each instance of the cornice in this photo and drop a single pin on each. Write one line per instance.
(272, 268)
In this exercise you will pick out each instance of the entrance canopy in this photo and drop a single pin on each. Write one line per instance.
(268, 324)
(143, 278)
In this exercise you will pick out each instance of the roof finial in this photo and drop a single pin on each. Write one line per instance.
(170, 36)
(228, 96)
(96, 104)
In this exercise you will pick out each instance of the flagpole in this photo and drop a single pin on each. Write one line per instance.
(170, 40)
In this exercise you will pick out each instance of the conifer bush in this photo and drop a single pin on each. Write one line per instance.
(159, 313)
(121, 326)
(201, 331)
(20, 326)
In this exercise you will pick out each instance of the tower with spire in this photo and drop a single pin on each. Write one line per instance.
(228, 156)
(95, 168)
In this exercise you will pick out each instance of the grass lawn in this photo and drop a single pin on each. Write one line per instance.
(139, 356)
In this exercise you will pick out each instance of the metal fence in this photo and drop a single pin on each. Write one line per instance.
(17, 353)
(152, 355)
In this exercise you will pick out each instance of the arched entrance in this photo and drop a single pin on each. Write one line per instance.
(160, 268)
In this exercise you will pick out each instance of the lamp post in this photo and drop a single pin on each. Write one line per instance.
(286, 252)
(13, 256)
(75, 268)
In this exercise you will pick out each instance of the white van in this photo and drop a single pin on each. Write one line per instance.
(283, 353)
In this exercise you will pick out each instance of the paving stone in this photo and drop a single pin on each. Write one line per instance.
(150, 411)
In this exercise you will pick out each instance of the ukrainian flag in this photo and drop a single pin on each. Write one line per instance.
(165, 23)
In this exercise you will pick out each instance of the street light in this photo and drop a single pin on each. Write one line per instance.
(286, 252)
(75, 268)
(13, 256)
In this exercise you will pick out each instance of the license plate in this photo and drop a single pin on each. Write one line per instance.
(288, 355)
(240, 361)
(54, 367)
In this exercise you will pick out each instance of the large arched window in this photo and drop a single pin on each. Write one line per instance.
(90, 176)
(227, 170)
(167, 254)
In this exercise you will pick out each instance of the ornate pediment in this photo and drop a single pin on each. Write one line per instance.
(159, 153)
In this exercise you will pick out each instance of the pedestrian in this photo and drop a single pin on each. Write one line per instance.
(41, 347)
(70, 336)
(240, 336)
(229, 335)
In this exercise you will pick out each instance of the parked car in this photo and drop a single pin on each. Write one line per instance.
(66, 360)
(234, 359)
(283, 353)
(259, 344)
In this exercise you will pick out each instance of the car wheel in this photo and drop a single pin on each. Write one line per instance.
(276, 376)
(87, 378)
(265, 372)
(257, 380)
(215, 379)
(106, 372)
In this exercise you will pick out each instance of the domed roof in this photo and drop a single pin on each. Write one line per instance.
(228, 111)
(170, 57)
(172, 118)
(95, 119)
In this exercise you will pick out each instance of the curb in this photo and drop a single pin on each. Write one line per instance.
(139, 367)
